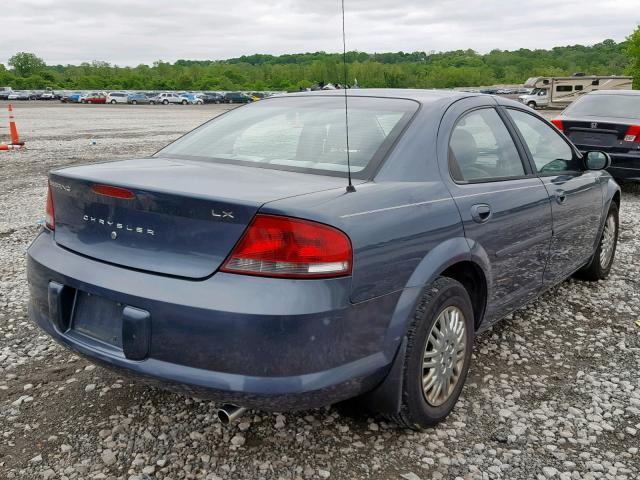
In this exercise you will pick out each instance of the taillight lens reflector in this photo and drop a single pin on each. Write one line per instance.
(115, 192)
(50, 217)
(558, 124)
(275, 246)
(633, 134)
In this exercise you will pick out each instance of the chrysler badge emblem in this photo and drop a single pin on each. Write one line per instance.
(114, 235)
(594, 125)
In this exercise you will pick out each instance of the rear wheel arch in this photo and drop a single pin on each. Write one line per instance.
(474, 280)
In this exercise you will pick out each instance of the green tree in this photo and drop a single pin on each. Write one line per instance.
(26, 64)
(633, 52)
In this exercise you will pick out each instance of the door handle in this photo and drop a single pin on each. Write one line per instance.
(481, 212)
(561, 197)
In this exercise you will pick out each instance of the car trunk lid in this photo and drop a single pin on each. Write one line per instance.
(181, 218)
(595, 133)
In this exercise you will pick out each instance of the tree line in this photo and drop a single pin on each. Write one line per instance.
(295, 71)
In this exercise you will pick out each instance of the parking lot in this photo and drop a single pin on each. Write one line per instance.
(554, 390)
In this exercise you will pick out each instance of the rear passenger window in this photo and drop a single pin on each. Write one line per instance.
(564, 88)
(550, 152)
(482, 149)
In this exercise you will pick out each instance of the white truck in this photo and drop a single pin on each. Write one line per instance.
(559, 92)
(5, 92)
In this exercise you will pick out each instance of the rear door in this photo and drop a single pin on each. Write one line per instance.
(503, 205)
(575, 193)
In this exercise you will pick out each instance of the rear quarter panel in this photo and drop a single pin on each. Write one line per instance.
(392, 226)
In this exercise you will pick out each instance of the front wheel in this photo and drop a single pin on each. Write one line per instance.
(113, 102)
(165, 102)
(532, 105)
(438, 355)
(134, 102)
(600, 265)
(184, 102)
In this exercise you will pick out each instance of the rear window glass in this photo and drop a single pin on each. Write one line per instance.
(300, 133)
(617, 106)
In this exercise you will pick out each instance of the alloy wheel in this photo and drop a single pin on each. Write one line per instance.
(608, 241)
(444, 356)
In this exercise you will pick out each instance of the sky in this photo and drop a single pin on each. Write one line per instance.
(142, 31)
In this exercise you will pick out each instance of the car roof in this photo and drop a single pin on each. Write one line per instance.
(615, 92)
(422, 96)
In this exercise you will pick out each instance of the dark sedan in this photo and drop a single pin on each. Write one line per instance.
(211, 97)
(237, 97)
(607, 120)
(260, 261)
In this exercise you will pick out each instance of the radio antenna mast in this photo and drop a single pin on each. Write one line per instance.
(350, 187)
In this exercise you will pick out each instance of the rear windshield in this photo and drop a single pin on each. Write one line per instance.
(303, 133)
(617, 106)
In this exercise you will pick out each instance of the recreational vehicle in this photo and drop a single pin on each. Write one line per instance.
(561, 91)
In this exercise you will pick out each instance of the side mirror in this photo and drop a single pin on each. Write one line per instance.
(597, 160)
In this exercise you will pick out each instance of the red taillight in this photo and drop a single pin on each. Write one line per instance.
(50, 218)
(115, 192)
(633, 134)
(286, 247)
(558, 124)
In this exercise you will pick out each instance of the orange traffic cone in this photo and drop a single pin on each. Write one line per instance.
(15, 144)
(15, 138)
(4, 147)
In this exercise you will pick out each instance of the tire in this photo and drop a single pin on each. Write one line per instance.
(441, 302)
(113, 102)
(600, 264)
(134, 102)
(83, 101)
(532, 105)
(184, 102)
(165, 102)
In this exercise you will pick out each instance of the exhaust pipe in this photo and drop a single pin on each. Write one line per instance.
(230, 413)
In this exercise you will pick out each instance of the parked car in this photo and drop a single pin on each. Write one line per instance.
(116, 97)
(236, 263)
(191, 98)
(136, 98)
(72, 97)
(211, 97)
(20, 95)
(237, 97)
(167, 98)
(607, 120)
(94, 97)
(47, 95)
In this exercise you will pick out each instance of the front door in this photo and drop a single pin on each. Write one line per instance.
(505, 208)
(575, 193)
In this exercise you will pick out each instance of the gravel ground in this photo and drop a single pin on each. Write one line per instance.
(553, 392)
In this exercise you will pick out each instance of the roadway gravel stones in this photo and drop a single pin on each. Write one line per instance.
(553, 393)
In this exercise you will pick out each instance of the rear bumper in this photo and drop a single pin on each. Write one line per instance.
(263, 343)
(625, 167)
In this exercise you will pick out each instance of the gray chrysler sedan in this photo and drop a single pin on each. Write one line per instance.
(235, 263)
